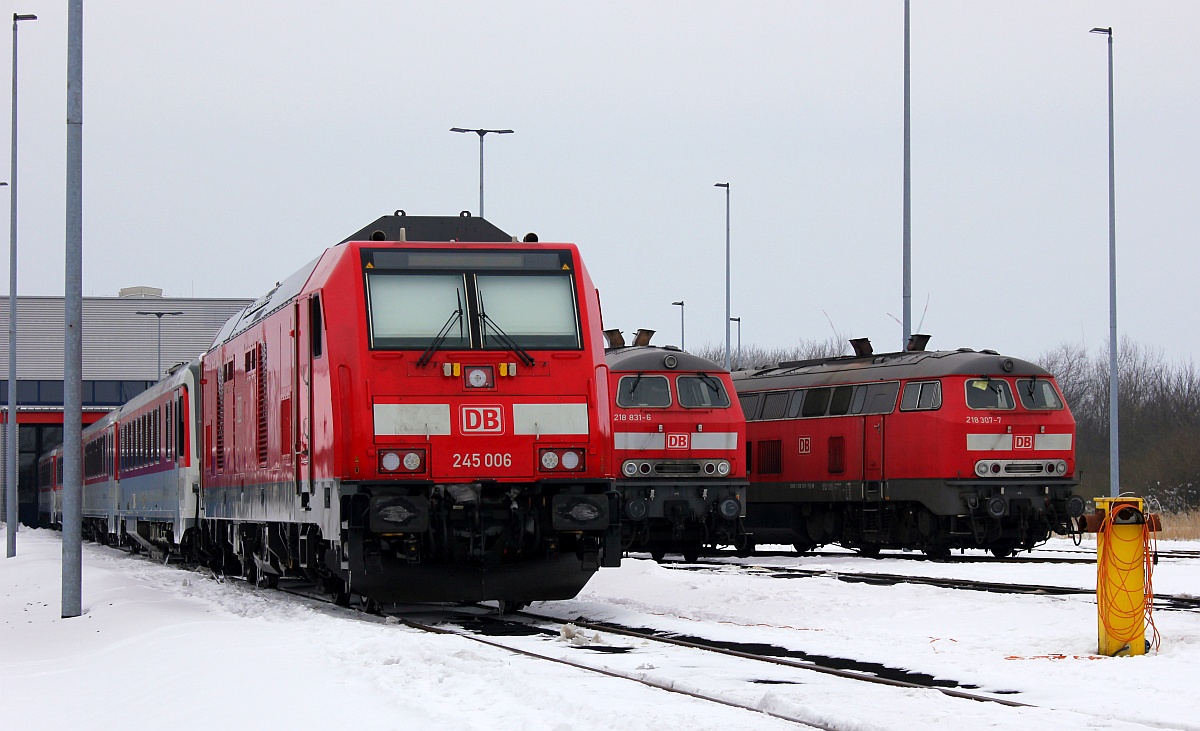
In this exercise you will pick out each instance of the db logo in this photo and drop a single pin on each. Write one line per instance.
(805, 445)
(1022, 441)
(677, 441)
(482, 420)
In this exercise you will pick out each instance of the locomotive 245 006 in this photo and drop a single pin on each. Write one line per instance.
(419, 414)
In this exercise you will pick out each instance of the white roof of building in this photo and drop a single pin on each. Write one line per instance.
(117, 343)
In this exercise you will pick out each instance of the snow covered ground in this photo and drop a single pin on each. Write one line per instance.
(184, 651)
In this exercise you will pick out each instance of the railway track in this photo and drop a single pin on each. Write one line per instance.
(1077, 555)
(1169, 602)
(548, 638)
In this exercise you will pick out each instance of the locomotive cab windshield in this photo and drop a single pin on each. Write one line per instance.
(511, 301)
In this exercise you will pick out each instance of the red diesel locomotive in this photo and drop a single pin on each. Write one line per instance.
(415, 421)
(926, 450)
(677, 437)
(419, 414)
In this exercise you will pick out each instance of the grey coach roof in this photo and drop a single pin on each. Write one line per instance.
(117, 344)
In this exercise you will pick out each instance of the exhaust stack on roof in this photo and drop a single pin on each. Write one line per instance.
(643, 337)
(917, 343)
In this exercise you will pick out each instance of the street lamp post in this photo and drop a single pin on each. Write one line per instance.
(682, 341)
(738, 320)
(1114, 463)
(481, 133)
(10, 457)
(158, 314)
(727, 311)
(906, 233)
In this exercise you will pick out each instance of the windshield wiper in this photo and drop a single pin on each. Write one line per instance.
(634, 385)
(713, 384)
(525, 357)
(455, 316)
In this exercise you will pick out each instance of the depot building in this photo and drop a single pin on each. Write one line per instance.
(122, 338)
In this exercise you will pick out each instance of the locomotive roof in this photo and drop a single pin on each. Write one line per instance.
(384, 228)
(650, 358)
(886, 367)
(429, 228)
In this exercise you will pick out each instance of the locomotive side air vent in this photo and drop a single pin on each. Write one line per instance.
(862, 347)
(917, 342)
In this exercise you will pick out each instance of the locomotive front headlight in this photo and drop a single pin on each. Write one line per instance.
(412, 461)
(570, 460)
(1062, 468)
(722, 468)
(630, 468)
(549, 460)
(981, 468)
(389, 462)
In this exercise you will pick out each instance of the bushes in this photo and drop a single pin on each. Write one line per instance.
(1159, 422)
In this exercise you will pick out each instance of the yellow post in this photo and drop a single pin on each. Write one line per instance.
(1121, 548)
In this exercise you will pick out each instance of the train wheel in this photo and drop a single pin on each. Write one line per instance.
(1003, 551)
(658, 554)
(508, 606)
(338, 591)
(937, 552)
(691, 554)
(802, 547)
(870, 550)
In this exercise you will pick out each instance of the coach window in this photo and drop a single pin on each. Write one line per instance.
(876, 398)
(701, 391)
(750, 403)
(921, 396)
(794, 404)
(1038, 393)
(774, 405)
(816, 401)
(643, 391)
(989, 393)
(839, 402)
(315, 345)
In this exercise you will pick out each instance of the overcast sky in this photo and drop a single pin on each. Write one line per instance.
(228, 143)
